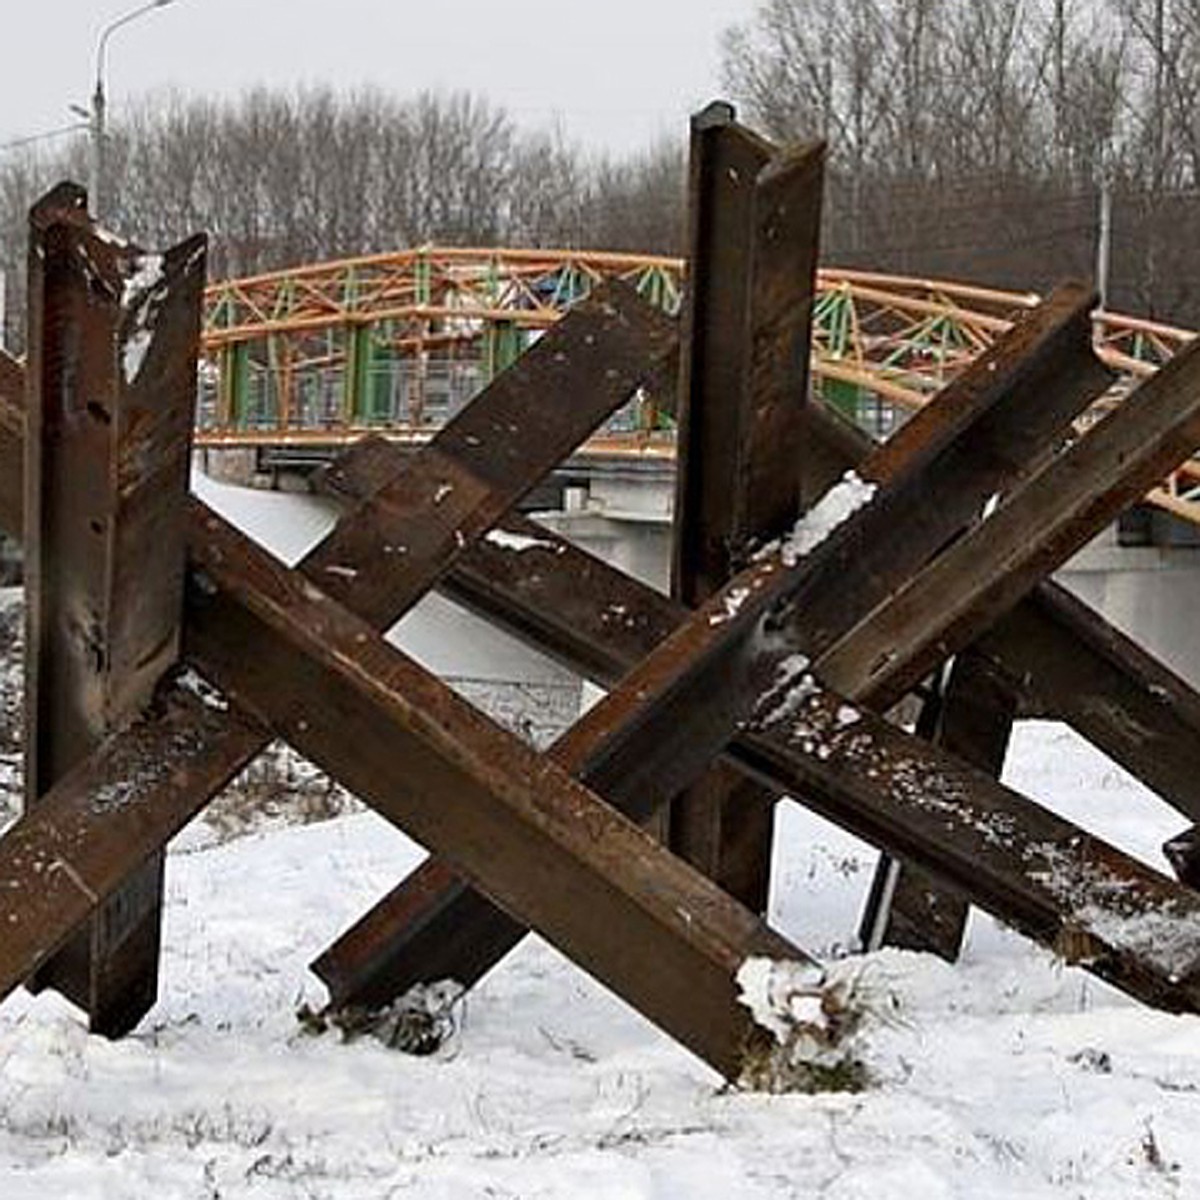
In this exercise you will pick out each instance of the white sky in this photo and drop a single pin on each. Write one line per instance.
(615, 73)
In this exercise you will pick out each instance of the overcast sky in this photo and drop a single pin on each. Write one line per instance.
(615, 73)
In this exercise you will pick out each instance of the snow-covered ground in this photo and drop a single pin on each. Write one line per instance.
(1005, 1076)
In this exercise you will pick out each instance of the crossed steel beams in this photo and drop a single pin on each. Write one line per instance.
(544, 845)
(679, 734)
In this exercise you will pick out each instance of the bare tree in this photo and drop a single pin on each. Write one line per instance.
(279, 179)
(974, 138)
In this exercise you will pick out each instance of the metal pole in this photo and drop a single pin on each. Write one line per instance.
(96, 120)
(96, 170)
(1104, 240)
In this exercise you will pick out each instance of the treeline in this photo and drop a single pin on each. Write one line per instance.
(968, 139)
(972, 138)
(280, 179)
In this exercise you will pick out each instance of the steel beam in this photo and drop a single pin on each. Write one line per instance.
(755, 225)
(683, 703)
(1096, 906)
(408, 938)
(1062, 659)
(114, 336)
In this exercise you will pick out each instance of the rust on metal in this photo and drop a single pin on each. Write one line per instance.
(611, 385)
(114, 337)
(755, 220)
(1102, 909)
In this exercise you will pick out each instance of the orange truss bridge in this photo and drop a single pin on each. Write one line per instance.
(318, 356)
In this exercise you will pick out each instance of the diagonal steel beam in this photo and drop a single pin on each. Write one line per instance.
(661, 935)
(1060, 657)
(1148, 721)
(99, 822)
(1073, 892)
(422, 513)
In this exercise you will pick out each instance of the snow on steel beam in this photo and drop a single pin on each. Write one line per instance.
(82, 842)
(1054, 656)
(114, 336)
(1093, 905)
(683, 703)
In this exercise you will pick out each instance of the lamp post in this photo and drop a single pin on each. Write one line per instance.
(96, 114)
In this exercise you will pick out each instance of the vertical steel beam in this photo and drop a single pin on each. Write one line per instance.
(114, 336)
(755, 224)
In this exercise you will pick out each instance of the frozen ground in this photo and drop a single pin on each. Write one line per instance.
(1006, 1077)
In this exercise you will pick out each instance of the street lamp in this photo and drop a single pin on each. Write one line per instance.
(95, 117)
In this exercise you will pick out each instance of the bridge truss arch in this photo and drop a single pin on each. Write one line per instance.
(395, 344)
